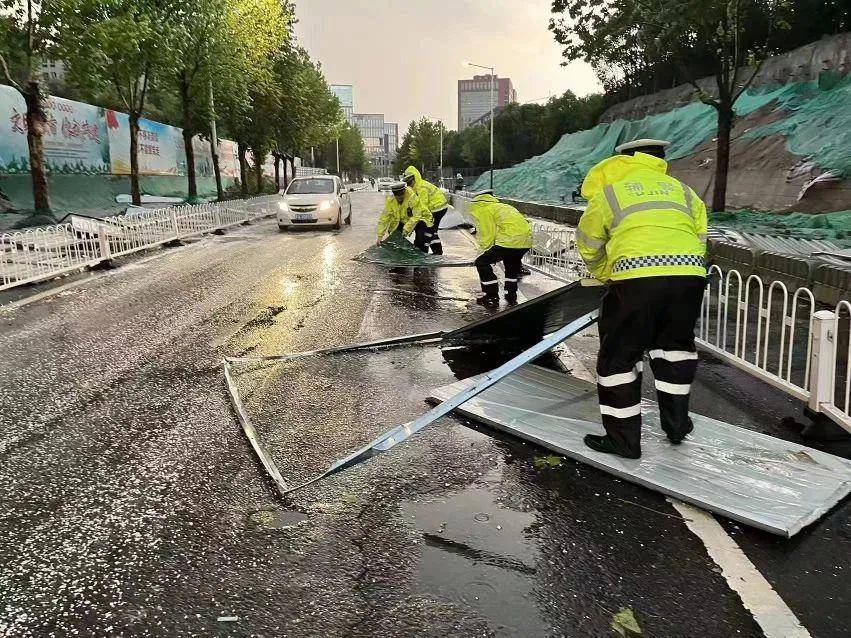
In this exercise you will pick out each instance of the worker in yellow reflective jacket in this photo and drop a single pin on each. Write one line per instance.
(405, 212)
(505, 235)
(434, 199)
(643, 234)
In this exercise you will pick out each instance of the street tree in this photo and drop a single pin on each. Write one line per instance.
(353, 159)
(118, 52)
(26, 41)
(729, 37)
(420, 145)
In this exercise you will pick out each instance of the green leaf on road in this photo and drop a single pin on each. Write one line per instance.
(625, 624)
(543, 462)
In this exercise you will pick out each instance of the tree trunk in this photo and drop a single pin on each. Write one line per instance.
(243, 170)
(135, 192)
(191, 180)
(36, 122)
(258, 172)
(277, 171)
(220, 193)
(722, 157)
(286, 179)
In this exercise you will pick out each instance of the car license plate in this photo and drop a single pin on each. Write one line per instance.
(303, 217)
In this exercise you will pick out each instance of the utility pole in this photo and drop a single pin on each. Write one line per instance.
(338, 157)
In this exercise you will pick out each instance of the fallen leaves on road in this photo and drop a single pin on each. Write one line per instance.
(625, 624)
(543, 462)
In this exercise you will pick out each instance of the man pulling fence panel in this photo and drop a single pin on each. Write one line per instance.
(643, 234)
(406, 213)
(434, 199)
(505, 235)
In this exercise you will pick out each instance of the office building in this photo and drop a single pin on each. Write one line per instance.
(346, 94)
(371, 126)
(474, 97)
(391, 140)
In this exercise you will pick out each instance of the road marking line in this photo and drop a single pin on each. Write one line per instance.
(758, 596)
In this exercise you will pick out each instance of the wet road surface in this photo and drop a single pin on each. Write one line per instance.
(133, 506)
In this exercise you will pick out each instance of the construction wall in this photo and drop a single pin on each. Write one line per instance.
(87, 153)
(791, 148)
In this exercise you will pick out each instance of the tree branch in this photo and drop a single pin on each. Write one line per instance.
(8, 74)
(747, 84)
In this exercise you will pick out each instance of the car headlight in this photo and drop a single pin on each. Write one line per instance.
(326, 205)
(282, 206)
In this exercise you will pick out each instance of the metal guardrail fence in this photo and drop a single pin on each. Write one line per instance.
(763, 328)
(772, 331)
(36, 254)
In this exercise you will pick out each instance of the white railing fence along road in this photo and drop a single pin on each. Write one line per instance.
(764, 328)
(35, 254)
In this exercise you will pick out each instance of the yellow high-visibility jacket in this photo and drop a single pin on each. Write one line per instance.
(406, 214)
(499, 224)
(640, 222)
(428, 193)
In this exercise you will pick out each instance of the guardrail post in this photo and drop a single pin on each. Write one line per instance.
(174, 224)
(103, 243)
(822, 359)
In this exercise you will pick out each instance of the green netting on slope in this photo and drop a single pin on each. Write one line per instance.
(818, 124)
(834, 226)
(398, 251)
(815, 112)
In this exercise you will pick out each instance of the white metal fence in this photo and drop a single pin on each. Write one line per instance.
(764, 328)
(35, 254)
(554, 252)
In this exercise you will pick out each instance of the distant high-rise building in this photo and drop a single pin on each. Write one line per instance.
(391, 140)
(371, 126)
(474, 97)
(346, 94)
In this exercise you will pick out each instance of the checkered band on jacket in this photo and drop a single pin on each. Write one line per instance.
(632, 263)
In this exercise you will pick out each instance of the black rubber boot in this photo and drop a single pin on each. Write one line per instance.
(676, 440)
(490, 301)
(605, 445)
(511, 300)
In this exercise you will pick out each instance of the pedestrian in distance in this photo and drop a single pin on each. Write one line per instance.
(404, 212)
(459, 182)
(434, 199)
(505, 235)
(644, 235)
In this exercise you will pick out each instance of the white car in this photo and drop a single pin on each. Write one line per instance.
(320, 200)
(384, 183)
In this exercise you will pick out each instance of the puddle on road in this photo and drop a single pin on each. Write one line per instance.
(275, 519)
(481, 554)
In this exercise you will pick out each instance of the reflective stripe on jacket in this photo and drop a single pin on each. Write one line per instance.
(427, 192)
(499, 224)
(640, 222)
(407, 214)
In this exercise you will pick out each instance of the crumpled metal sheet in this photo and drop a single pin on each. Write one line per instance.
(398, 251)
(530, 321)
(768, 483)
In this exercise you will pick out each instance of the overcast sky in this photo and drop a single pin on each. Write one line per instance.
(404, 57)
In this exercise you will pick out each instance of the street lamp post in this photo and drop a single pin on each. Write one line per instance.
(440, 126)
(338, 158)
(490, 68)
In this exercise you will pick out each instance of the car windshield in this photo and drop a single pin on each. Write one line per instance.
(310, 186)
